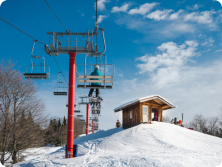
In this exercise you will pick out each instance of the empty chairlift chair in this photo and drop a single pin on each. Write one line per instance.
(85, 81)
(77, 108)
(61, 91)
(36, 75)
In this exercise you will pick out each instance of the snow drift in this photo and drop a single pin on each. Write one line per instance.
(158, 144)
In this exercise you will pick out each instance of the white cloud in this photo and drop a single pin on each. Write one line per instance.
(123, 8)
(165, 67)
(218, 51)
(159, 15)
(101, 4)
(208, 42)
(175, 15)
(1, 1)
(101, 17)
(194, 7)
(143, 9)
(204, 17)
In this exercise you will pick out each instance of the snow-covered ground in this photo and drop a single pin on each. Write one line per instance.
(158, 144)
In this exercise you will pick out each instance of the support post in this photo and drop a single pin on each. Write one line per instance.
(87, 119)
(92, 127)
(71, 97)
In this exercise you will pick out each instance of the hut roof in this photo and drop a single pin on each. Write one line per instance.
(156, 98)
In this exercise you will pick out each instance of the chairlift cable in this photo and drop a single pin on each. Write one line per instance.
(56, 15)
(60, 69)
(22, 31)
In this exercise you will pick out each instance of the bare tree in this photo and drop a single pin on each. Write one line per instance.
(166, 119)
(22, 112)
(213, 124)
(78, 128)
(199, 123)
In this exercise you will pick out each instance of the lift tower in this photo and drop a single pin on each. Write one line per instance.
(73, 44)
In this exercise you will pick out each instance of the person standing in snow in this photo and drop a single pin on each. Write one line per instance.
(118, 124)
(96, 72)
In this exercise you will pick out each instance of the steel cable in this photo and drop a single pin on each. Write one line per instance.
(56, 15)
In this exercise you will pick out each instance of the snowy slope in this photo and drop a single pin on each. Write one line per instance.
(158, 144)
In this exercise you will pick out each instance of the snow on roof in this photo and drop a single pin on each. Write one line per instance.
(144, 99)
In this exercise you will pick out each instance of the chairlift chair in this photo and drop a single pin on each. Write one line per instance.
(79, 115)
(58, 88)
(96, 109)
(106, 81)
(32, 75)
(84, 100)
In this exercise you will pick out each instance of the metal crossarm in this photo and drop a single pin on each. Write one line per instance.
(80, 43)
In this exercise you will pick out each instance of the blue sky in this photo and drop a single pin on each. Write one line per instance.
(170, 48)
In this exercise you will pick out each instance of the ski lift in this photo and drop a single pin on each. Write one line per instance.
(31, 75)
(95, 119)
(77, 111)
(106, 81)
(58, 92)
(81, 43)
(95, 109)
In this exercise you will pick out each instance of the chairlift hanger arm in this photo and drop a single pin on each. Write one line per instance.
(33, 49)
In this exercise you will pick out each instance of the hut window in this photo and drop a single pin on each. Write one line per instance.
(131, 114)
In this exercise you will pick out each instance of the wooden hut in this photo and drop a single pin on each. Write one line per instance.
(143, 110)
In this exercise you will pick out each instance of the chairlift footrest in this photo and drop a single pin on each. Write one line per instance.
(60, 93)
(94, 87)
(36, 75)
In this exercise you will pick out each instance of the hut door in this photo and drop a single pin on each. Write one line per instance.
(145, 113)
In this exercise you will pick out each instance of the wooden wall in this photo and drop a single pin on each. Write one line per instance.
(136, 116)
(137, 113)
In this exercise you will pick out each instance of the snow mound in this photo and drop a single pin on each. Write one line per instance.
(158, 144)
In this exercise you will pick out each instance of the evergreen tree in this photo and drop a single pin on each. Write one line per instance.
(64, 121)
(59, 123)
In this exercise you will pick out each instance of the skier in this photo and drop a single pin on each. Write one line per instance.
(96, 72)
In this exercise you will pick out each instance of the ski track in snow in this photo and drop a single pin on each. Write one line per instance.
(153, 145)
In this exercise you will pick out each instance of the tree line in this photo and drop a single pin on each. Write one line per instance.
(23, 122)
(209, 125)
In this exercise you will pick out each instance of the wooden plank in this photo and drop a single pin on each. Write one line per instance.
(96, 81)
(155, 105)
(150, 113)
(159, 113)
(141, 112)
(89, 76)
